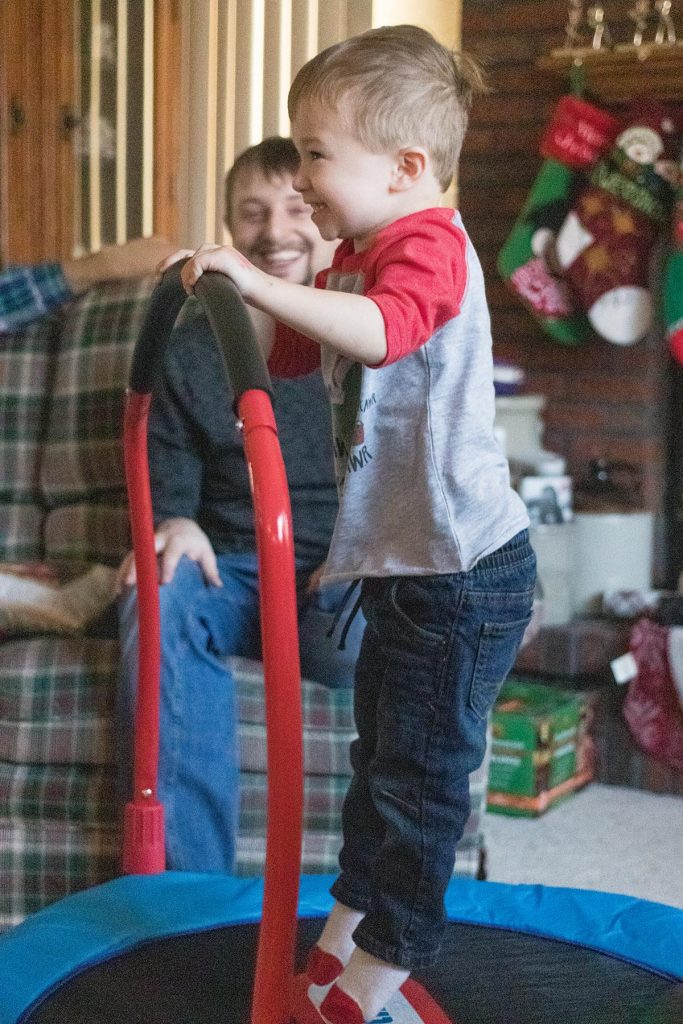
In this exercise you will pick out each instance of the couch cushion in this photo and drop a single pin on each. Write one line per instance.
(327, 723)
(323, 798)
(41, 862)
(26, 372)
(328, 729)
(89, 531)
(21, 532)
(57, 700)
(83, 456)
(320, 855)
(57, 792)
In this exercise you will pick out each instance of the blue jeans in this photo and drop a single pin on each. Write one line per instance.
(435, 652)
(201, 625)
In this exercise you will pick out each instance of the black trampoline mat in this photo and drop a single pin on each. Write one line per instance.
(484, 976)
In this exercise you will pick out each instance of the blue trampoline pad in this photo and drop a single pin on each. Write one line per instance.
(180, 949)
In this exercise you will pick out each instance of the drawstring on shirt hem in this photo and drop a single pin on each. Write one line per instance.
(341, 646)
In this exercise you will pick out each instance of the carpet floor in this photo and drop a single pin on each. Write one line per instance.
(603, 837)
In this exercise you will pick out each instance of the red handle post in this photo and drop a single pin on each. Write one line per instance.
(271, 1003)
(143, 825)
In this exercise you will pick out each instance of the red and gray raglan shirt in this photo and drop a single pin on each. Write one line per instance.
(424, 488)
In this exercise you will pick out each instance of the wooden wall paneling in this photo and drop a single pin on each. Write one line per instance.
(58, 117)
(37, 155)
(24, 200)
(4, 128)
(167, 116)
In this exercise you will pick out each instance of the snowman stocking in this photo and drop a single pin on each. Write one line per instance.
(576, 138)
(603, 247)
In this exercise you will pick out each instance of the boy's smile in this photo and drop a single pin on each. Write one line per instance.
(347, 186)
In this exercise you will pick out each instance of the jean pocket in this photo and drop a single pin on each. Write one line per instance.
(498, 646)
(412, 603)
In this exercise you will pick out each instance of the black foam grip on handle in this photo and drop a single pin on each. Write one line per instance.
(233, 329)
(167, 300)
(242, 356)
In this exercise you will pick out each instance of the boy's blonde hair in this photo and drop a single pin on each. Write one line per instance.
(403, 88)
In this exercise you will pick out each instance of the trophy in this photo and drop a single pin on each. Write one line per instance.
(601, 33)
(639, 13)
(666, 31)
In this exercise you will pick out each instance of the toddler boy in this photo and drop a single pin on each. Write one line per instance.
(427, 518)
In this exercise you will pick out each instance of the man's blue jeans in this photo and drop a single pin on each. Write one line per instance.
(435, 652)
(198, 759)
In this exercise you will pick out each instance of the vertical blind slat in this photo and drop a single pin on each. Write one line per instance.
(94, 124)
(331, 22)
(148, 122)
(276, 66)
(121, 118)
(249, 84)
(225, 107)
(304, 32)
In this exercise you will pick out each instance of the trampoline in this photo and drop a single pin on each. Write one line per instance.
(180, 949)
(156, 947)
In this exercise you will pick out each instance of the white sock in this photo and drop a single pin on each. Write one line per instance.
(371, 982)
(339, 927)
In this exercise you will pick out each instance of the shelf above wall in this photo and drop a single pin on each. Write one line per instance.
(616, 76)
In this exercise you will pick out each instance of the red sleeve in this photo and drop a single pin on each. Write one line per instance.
(418, 282)
(292, 354)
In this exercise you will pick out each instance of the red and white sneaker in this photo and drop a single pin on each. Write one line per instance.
(412, 1004)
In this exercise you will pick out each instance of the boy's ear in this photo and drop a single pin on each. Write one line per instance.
(411, 163)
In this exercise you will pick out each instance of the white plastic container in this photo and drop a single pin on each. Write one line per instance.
(612, 551)
(520, 417)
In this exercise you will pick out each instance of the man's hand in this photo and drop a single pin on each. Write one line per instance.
(173, 539)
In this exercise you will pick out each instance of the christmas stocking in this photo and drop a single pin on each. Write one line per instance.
(604, 244)
(673, 279)
(576, 138)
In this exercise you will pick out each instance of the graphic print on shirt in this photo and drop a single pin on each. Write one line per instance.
(351, 453)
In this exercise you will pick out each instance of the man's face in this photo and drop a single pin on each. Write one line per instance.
(271, 225)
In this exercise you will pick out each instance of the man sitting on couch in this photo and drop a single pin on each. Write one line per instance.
(202, 503)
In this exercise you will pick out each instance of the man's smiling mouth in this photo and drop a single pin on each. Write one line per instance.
(282, 255)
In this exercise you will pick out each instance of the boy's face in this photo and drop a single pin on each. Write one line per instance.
(271, 225)
(348, 187)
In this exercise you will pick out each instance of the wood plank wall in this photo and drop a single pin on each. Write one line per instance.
(603, 400)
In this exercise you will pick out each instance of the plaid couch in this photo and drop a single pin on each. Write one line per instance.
(62, 501)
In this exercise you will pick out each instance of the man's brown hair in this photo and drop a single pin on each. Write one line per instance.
(273, 157)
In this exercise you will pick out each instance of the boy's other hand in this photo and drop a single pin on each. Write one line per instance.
(173, 539)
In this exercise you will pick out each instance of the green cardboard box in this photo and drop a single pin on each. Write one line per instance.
(535, 752)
